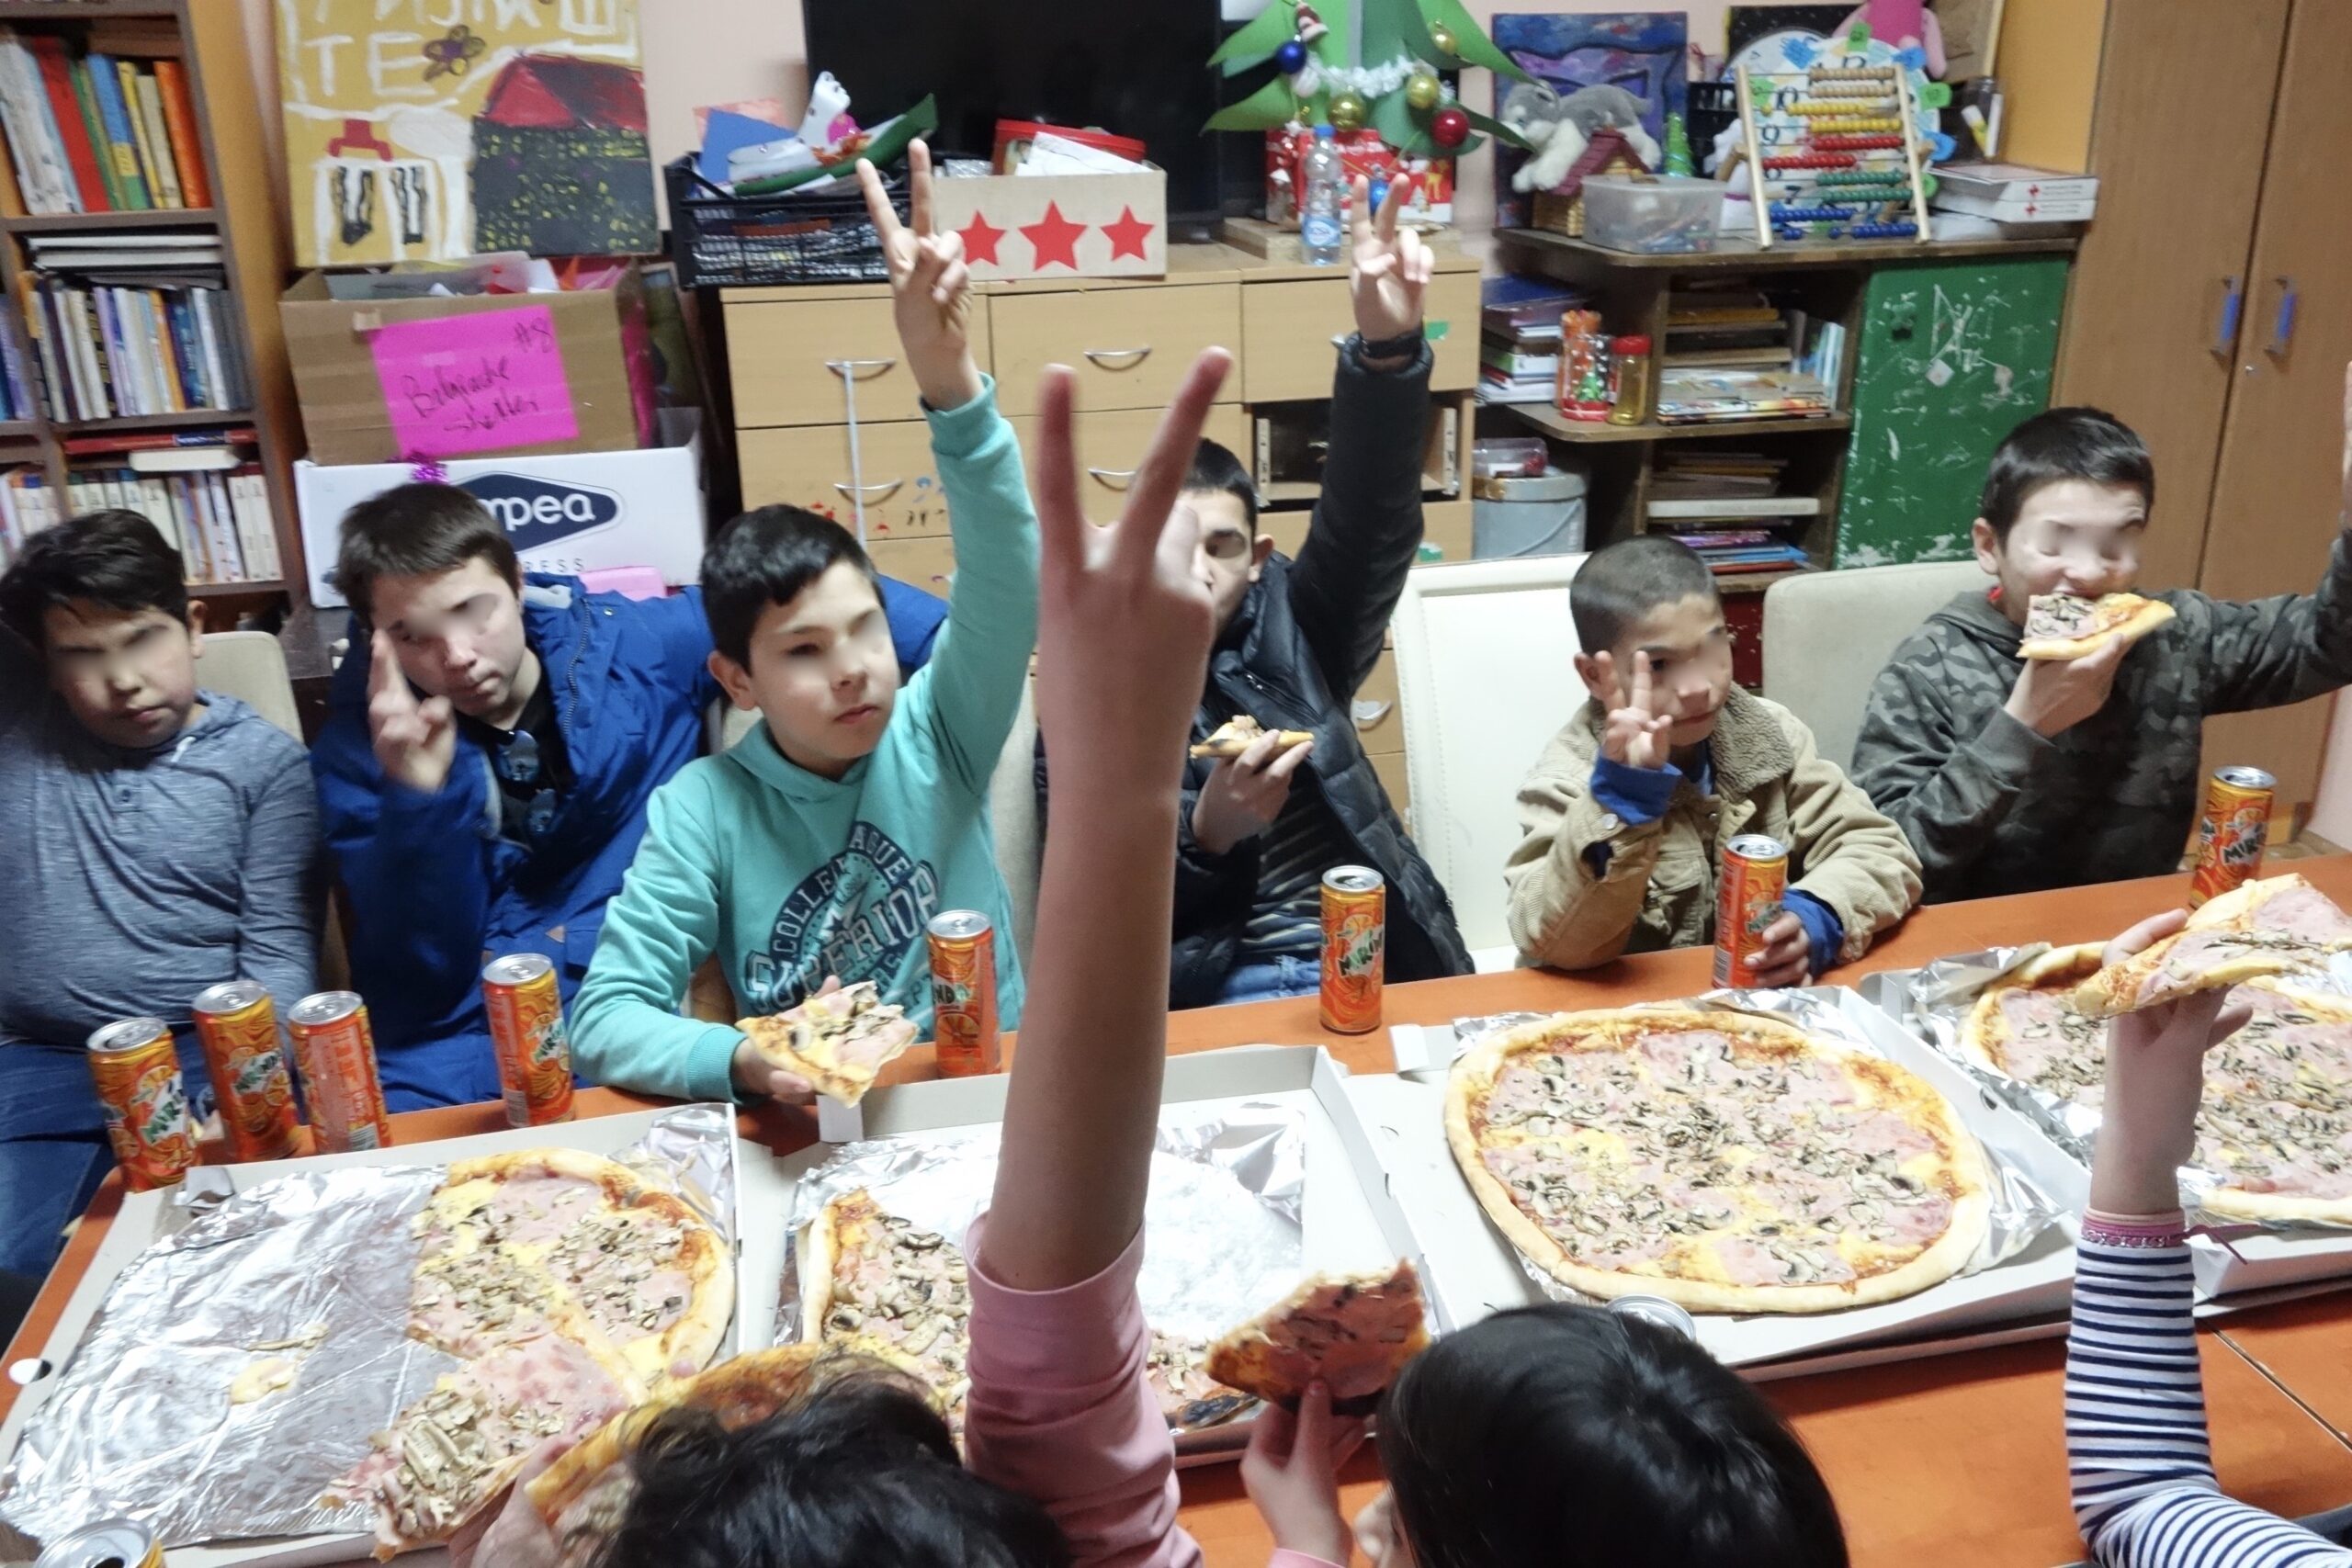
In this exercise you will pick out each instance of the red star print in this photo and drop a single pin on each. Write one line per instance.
(980, 239)
(1128, 235)
(1054, 238)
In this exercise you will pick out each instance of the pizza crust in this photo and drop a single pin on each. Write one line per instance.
(1984, 1032)
(2146, 616)
(1474, 1076)
(1240, 732)
(798, 1040)
(1354, 1333)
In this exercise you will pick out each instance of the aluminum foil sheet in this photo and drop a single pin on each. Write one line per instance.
(1223, 1217)
(310, 1269)
(2021, 1209)
(1934, 1002)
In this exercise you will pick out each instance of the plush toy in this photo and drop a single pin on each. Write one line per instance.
(1558, 129)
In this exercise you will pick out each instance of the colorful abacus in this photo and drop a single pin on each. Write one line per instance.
(1829, 169)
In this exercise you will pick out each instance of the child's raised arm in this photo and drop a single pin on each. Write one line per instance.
(931, 288)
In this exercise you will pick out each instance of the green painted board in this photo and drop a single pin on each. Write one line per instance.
(1953, 356)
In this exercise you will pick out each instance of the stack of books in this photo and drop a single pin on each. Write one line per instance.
(208, 498)
(1519, 339)
(111, 353)
(16, 392)
(94, 133)
(1722, 397)
(1731, 354)
(1726, 506)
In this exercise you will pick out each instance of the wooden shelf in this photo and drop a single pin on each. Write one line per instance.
(1741, 255)
(19, 430)
(1560, 428)
(262, 589)
(82, 10)
(194, 419)
(80, 223)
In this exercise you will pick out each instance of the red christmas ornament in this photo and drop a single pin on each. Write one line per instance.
(1449, 127)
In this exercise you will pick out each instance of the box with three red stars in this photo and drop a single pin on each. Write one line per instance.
(1058, 225)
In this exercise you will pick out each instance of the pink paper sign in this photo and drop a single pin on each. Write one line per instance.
(486, 381)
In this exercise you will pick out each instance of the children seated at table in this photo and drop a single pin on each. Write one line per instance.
(1627, 810)
(823, 841)
(2011, 774)
(155, 838)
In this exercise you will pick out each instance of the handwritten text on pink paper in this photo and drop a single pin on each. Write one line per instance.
(488, 381)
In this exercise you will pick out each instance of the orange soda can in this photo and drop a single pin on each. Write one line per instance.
(336, 1053)
(138, 1074)
(238, 1023)
(963, 994)
(526, 1031)
(2230, 831)
(1748, 899)
(1355, 948)
(126, 1543)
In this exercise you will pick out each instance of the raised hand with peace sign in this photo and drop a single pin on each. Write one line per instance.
(930, 286)
(1388, 271)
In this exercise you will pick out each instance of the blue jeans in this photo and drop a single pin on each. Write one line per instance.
(1270, 979)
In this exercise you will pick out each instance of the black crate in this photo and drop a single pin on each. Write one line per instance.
(724, 240)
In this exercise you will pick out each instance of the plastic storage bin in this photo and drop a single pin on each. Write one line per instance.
(1515, 516)
(1667, 214)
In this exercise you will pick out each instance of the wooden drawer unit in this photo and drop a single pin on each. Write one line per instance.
(1390, 768)
(1111, 444)
(1287, 331)
(1384, 731)
(808, 466)
(928, 563)
(1447, 524)
(1130, 346)
(779, 352)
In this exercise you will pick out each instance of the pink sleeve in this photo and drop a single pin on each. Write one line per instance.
(1059, 1411)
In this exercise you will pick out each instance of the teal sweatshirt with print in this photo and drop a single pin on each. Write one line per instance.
(790, 877)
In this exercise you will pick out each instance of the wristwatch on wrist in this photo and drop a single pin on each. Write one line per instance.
(1405, 345)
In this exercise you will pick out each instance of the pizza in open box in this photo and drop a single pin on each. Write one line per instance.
(838, 1040)
(2272, 926)
(1727, 1162)
(2067, 625)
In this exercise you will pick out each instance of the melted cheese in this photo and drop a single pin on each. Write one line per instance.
(262, 1379)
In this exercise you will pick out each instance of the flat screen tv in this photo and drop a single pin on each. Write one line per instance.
(1135, 67)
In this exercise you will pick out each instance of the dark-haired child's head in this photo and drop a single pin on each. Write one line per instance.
(2066, 501)
(860, 1474)
(102, 600)
(1651, 596)
(797, 631)
(1232, 552)
(428, 566)
(1576, 1435)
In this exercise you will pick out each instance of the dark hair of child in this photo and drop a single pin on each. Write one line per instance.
(2056, 445)
(1621, 584)
(1214, 467)
(765, 557)
(416, 530)
(113, 559)
(1575, 1435)
(861, 1473)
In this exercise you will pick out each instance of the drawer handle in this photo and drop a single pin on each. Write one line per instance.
(1130, 357)
(2282, 325)
(851, 369)
(2225, 333)
(1117, 478)
(856, 492)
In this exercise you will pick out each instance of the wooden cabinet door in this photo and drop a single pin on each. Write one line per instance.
(2278, 495)
(2150, 333)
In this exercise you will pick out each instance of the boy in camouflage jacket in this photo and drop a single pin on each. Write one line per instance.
(2010, 776)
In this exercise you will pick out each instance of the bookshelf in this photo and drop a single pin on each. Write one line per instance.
(208, 39)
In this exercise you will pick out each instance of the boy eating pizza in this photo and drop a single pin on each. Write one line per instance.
(2047, 733)
(1627, 806)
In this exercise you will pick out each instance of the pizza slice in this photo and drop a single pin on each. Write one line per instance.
(1352, 1332)
(877, 1283)
(2067, 625)
(838, 1040)
(2273, 926)
(1239, 733)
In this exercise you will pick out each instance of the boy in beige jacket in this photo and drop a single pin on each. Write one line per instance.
(1626, 807)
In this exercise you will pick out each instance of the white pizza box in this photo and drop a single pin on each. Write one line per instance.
(762, 1201)
(1350, 1219)
(1473, 1271)
(2230, 1260)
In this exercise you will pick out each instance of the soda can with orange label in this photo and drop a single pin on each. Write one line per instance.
(335, 1051)
(110, 1543)
(2230, 831)
(1355, 948)
(963, 994)
(243, 1055)
(526, 1031)
(1748, 899)
(138, 1074)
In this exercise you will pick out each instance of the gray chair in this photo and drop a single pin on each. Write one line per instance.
(1827, 635)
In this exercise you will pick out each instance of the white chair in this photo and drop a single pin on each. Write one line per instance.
(251, 666)
(1827, 635)
(1485, 653)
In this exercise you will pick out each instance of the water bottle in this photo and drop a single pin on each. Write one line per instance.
(1322, 200)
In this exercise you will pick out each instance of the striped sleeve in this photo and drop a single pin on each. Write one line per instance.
(2137, 1452)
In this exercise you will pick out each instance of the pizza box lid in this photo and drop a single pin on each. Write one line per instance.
(761, 1203)
(1474, 1271)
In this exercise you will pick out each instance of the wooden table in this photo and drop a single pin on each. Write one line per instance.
(1956, 1459)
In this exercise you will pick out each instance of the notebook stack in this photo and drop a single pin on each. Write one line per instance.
(1727, 507)
(1519, 339)
(1732, 355)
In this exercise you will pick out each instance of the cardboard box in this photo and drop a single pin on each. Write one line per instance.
(1058, 225)
(1430, 199)
(419, 376)
(572, 512)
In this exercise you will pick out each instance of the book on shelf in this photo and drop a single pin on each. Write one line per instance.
(159, 440)
(26, 506)
(100, 131)
(1693, 397)
(222, 523)
(1737, 507)
(1518, 362)
(112, 352)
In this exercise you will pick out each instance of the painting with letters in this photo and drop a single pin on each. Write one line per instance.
(430, 129)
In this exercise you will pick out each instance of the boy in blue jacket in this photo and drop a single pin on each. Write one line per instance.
(821, 844)
(489, 745)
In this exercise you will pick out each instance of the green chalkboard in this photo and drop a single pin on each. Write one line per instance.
(1953, 356)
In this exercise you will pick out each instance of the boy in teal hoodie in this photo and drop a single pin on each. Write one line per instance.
(823, 841)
